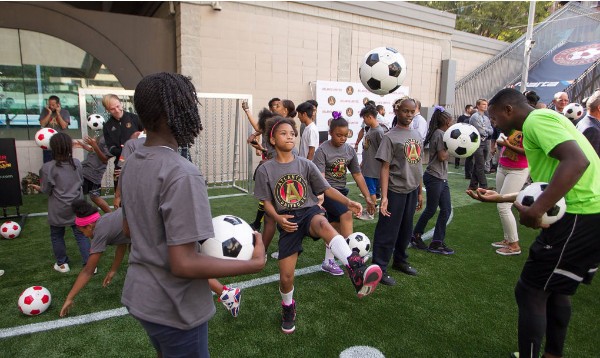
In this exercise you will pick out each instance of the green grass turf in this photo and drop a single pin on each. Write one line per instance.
(459, 306)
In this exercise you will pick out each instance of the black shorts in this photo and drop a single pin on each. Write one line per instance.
(291, 242)
(91, 188)
(335, 209)
(562, 255)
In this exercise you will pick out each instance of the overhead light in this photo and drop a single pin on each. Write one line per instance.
(216, 5)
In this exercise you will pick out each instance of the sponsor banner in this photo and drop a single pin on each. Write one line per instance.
(10, 187)
(349, 98)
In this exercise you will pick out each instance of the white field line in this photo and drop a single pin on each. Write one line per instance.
(118, 312)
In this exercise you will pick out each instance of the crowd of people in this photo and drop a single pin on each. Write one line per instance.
(161, 208)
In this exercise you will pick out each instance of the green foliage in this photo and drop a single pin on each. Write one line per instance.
(502, 20)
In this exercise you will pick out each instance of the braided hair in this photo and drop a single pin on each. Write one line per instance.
(171, 96)
(397, 104)
(438, 119)
(62, 149)
(82, 208)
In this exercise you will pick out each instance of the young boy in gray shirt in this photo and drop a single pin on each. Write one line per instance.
(370, 166)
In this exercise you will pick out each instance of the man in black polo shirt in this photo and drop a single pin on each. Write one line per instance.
(119, 128)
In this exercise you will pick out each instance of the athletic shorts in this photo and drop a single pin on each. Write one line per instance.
(335, 209)
(91, 188)
(291, 242)
(174, 342)
(564, 254)
(372, 185)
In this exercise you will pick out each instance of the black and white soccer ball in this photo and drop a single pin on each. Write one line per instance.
(573, 111)
(462, 140)
(360, 244)
(530, 194)
(234, 239)
(95, 122)
(382, 70)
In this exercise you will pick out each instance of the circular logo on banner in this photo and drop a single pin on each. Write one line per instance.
(290, 191)
(365, 100)
(350, 133)
(349, 90)
(331, 100)
(338, 169)
(349, 112)
(580, 55)
(412, 151)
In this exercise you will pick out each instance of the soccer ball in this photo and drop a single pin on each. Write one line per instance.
(359, 243)
(42, 137)
(573, 111)
(461, 140)
(95, 122)
(34, 300)
(10, 230)
(382, 70)
(234, 239)
(530, 194)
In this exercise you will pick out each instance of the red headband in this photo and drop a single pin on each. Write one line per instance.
(86, 220)
(273, 128)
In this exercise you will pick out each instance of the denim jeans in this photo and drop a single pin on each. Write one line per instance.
(438, 194)
(57, 236)
(176, 343)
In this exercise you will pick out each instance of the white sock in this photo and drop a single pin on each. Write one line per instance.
(340, 249)
(287, 298)
(328, 253)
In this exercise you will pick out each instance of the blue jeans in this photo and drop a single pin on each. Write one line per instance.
(438, 194)
(176, 343)
(392, 233)
(57, 236)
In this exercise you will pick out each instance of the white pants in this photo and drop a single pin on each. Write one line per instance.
(509, 181)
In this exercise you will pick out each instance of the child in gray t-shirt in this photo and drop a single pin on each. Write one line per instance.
(289, 186)
(436, 185)
(61, 178)
(370, 166)
(166, 212)
(94, 167)
(103, 231)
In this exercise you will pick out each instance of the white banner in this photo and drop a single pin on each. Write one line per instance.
(349, 98)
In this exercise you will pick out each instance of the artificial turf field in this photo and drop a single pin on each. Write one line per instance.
(458, 306)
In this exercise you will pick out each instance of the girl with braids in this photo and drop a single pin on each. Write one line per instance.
(289, 185)
(166, 212)
(61, 179)
(401, 173)
(436, 183)
(102, 231)
(333, 158)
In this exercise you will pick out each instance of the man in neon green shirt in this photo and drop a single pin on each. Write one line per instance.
(568, 252)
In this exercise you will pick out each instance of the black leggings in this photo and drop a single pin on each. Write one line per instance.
(541, 312)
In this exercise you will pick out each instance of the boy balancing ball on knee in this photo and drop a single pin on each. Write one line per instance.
(166, 212)
(288, 185)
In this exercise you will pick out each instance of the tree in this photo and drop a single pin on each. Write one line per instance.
(502, 20)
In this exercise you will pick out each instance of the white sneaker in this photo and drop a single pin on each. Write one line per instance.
(96, 270)
(64, 268)
(365, 216)
(231, 299)
(275, 255)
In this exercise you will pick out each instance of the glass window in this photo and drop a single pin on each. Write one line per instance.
(35, 66)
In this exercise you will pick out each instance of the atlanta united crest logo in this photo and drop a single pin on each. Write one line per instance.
(412, 151)
(338, 169)
(290, 191)
(580, 55)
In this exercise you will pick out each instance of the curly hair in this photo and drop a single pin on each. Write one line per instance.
(263, 116)
(171, 96)
(82, 208)
(274, 122)
(62, 149)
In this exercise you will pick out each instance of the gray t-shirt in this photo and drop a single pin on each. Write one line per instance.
(333, 161)
(130, 146)
(63, 186)
(165, 203)
(93, 168)
(437, 168)
(108, 231)
(290, 186)
(402, 148)
(371, 142)
(53, 123)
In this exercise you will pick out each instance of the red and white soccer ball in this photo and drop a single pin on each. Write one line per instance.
(234, 239)
(573, 111)
(10, 230)
(34, 300)
(42, 137)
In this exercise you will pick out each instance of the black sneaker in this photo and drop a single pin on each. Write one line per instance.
(387, 280)
(417, 243)
(288, 317)
(404, 267)
(364, 278)
(439, 247)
